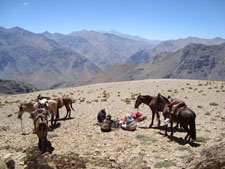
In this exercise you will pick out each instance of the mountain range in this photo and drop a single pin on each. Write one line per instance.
(48, 60)
(42, 62)
(194, 61)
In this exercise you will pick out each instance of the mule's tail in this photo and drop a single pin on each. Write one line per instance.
(192, 128)
(71, 105)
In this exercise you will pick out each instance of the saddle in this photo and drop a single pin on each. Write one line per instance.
(174, 106)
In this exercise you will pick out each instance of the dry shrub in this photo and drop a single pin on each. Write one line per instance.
(74, 100)
(182, 88)
(104, 100)
(213, 104)
(200, 84)
(126, 100)
(105, 94)
(132, 97)
(54, 95)
(200, 107)
(82, 99)
(169, 90)
(96, 100)
(71, 93)
(175, 91)
(208, 113)
(190, 88)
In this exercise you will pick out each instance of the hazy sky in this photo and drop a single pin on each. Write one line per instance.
(152, 19)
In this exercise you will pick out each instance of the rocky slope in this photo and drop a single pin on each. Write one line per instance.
(35, 59)
(195, 61)
(14, 87)
(79, 143)
(170, 46)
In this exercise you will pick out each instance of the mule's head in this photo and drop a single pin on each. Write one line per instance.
(137, 102)
(21, 111)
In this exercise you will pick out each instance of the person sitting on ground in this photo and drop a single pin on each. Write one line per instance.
(107, 124)
(129, 124)
(138, 116)
(101, 115)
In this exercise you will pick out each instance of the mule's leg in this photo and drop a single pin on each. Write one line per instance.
(188, 134)
(57, 114)
(39, 145)
(158, 117)
(171, 134)
(153, 116)
(176, 127)
(166, 127)
(52, 118)
(68, 111)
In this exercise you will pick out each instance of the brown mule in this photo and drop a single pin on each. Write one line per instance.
(151, 101)
(184, 115)
(41, 127)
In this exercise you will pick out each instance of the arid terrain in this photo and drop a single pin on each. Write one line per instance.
(79, 143)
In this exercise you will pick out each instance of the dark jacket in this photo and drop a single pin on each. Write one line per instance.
(101, 116)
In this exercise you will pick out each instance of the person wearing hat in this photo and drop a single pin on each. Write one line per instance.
(107, 124)
(129, 124)
(101, 115)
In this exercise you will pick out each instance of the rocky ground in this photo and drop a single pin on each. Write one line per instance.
(79, 143)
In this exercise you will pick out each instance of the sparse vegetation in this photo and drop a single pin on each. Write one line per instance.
(201, 139)
(213, 104)
(208, 113)
(145, 139)
(165, 164)
(182, 148)
(200, 107)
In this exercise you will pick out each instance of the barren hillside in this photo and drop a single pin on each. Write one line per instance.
(79, 143)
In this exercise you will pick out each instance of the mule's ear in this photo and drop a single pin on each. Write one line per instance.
(139, 94)
(159, 95)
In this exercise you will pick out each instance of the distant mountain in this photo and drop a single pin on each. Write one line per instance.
(170, 46)
(14, 87)
(194, 61)
(136, 38)
(105, 49)
(40, 61)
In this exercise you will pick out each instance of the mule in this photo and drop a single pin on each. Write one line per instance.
(64, 101)
(61, 101)
(41, 127)
(27, 107)
(184, 116)
(51, 107)
(151, 101)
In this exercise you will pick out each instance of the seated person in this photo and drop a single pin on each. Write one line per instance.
(129, 124)
(137, 116)
(101, 115)
(107, 124)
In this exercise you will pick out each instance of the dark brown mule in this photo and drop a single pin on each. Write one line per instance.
(185, 116)
(41, 127)
(151, 101)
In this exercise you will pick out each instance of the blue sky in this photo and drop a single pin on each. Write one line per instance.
(152, 19)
